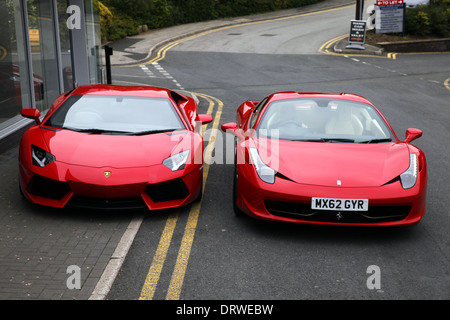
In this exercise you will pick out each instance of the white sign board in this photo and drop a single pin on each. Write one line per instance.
(389, 18)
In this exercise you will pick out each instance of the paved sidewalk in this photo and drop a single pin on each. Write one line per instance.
(37, 244)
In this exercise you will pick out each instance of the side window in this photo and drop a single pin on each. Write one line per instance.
(256, 112)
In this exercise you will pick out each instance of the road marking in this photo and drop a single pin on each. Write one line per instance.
(447, 83)
(179, 272)
(325, 48)
(147, 71)
(149, 287)
(392, 55)
(152, 278)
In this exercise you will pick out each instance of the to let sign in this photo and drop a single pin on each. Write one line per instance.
(389, 18)
(388, 2)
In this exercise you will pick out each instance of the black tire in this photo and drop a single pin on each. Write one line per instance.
(199, 197)
(237, 211)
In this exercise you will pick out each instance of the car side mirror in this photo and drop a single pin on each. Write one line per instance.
(204, 118)
(412, 134)
(31, 113)
(232, 127)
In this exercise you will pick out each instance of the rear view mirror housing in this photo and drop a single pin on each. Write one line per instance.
(31, 113)
(412, 134)
(232, 128)
(204, 118)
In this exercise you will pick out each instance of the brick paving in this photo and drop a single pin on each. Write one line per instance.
(38, 244)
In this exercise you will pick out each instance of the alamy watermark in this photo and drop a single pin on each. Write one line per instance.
(374, 280)
(221, 148)
(74, 19)
(74, 279)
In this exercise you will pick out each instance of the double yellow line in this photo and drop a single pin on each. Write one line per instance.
(326, 47)
(447, 83)
(176, 282)
(392, 55)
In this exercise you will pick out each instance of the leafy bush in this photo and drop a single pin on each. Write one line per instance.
(433, 19)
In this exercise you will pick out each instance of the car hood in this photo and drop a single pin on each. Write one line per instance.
(116, 151)
(336, 164)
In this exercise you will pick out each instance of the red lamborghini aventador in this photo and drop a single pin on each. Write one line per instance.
(104, 146)
(325, 159)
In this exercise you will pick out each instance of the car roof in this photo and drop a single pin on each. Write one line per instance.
(296, 95)
(140, 91)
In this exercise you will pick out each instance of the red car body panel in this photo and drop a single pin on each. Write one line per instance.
(114, 171)
(326, 170)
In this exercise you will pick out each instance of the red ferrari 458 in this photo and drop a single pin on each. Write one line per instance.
(114, 147)
(325, 159)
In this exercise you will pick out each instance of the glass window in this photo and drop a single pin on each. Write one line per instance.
(42, 30)
(115, 114)
(15, 90)
(94, 41)
(256, 112)
(64, 40)
(324, 120)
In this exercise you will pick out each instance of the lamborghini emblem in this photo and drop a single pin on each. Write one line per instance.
(107, 173)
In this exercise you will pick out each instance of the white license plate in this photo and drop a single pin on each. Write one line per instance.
(340, 204)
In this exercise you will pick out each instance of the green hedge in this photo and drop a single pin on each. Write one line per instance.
(431, 20)
(121, 18)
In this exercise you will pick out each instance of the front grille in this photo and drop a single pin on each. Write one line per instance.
(47, 188)
(167, 191)
(303, 211)
(107, 204)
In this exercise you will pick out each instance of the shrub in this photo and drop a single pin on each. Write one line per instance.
(433, 19)
(106, 18)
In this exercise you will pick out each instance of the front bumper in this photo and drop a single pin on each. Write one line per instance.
(288, 201)
(156, 187)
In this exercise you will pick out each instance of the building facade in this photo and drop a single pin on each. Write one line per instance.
(47, 47)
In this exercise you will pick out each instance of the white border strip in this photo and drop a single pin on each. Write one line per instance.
(115, 263)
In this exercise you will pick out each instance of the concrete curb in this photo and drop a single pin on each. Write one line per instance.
(340, 47)
(115, 263)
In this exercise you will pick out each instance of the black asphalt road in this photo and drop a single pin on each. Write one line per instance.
(240, 258)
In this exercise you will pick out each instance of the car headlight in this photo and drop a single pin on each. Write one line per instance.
(177, 161)
(266, 173)
(40, 157)
(409, 177)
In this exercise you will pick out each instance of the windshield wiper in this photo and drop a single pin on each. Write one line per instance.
(376, 140)
(96, 131)
(142, 133)
(326, 140)
(130, 133)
